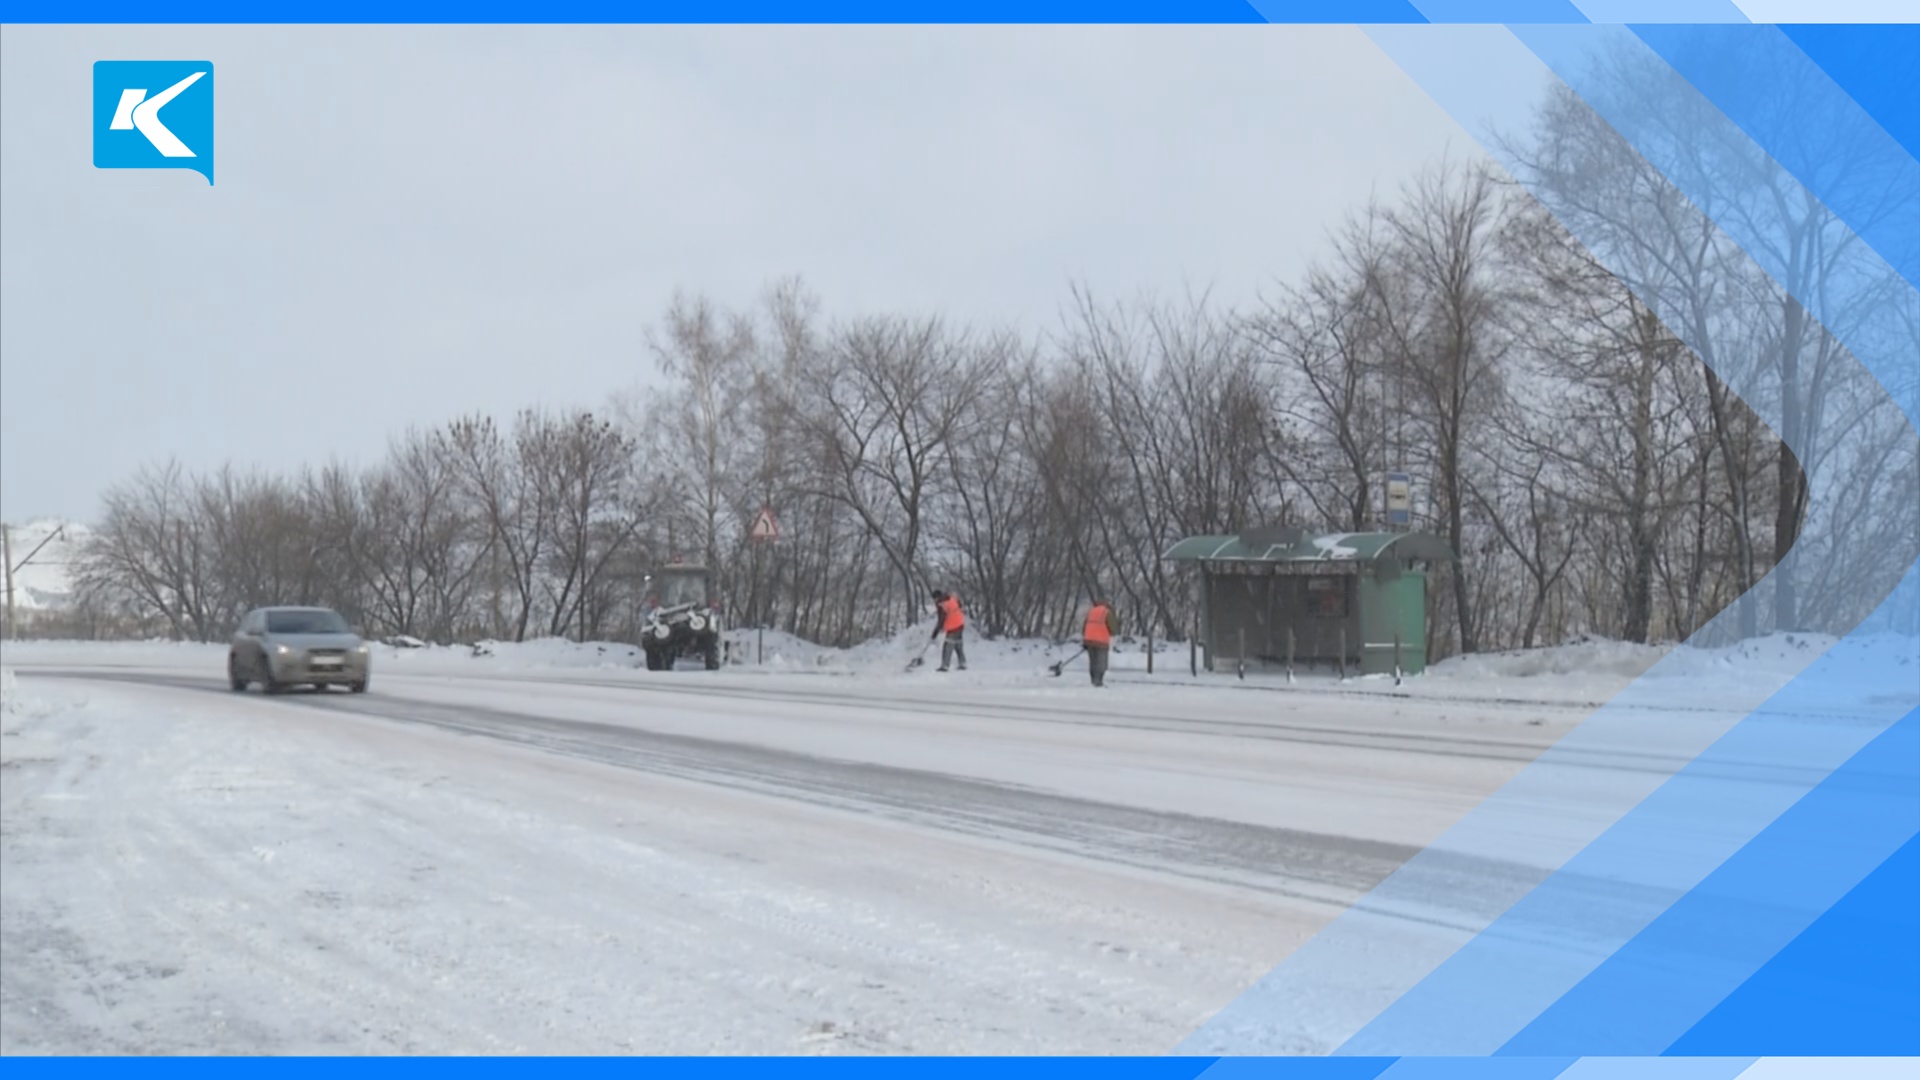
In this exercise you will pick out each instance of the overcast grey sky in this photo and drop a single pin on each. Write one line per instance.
(412, 223)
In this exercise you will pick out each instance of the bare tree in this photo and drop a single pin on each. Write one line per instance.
(887, 400)
(149, 547)
(510, 481)
(1325, 344)
(1441, 312)
(596, 512)
(700, 434)
(1606, 399)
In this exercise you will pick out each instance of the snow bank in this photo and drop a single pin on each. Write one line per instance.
(1586, 672)
(1591, 656)
(17, 705)
(1595, 670)
(24, 739)
(536, 653)
(1625, 659)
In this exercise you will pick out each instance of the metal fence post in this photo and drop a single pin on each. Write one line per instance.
(1343, 653)
(1243, 652)
(1396, 658)
(1289, 654)
(1149, 649)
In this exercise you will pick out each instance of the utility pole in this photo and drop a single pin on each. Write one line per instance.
(6, 559)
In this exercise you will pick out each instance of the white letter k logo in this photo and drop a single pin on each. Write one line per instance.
(144, 116)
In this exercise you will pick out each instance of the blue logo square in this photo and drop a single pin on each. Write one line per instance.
(153, 114)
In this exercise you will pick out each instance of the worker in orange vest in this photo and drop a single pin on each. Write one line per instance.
(1097, 637)
(951, 621)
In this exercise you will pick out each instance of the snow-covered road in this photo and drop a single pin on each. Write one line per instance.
(605, 861)
(186, 872)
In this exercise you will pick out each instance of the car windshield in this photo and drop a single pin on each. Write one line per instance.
(673, 590)
(306, 622)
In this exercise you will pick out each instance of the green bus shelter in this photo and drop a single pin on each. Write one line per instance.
(1276, 598)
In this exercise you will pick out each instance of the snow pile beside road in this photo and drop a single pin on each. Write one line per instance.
(1604, 656)
(1585, 672)
(1597, 669)
(1765, 655)
(536, 654)
(778, 650)
(17, 705)
(1590, 656)
(24, 740)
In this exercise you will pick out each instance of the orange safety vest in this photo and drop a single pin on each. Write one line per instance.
(1097, 632)
(954, 619)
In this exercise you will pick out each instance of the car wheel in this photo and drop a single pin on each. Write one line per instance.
(269, 684)
(358, 687)
(236, 680)
(713, 658)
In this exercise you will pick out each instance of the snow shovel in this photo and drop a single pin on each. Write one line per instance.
(920, 659)
(1061, 666)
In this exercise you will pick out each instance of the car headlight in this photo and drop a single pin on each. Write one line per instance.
(362, 650)
(282, 649)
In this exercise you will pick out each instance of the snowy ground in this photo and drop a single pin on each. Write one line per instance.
(549, 850)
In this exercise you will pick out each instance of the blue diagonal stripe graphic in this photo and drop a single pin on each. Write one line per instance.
(1356, 972)
(1328, 11)
(1844, 986)
(1496, 985)
(1478, 1068)
(1500, 11)
(1725, 176)
(1779, 98)
(1875, 67)
(1662, 11)
(1521, 962)
(1657, 1068)
(1296, 1068)
(1651, 992)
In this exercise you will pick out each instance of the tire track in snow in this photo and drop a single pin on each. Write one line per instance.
(1315, 868)
(1413, 743)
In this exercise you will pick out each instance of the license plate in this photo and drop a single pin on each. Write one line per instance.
(326, 661)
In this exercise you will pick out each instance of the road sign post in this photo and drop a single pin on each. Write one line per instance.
(765, 531)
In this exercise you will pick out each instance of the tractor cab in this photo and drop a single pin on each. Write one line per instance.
(682, 617)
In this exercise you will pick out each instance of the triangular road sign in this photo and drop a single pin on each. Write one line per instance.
(764, 527)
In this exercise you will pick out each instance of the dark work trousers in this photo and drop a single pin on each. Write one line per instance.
(1097, 663)
(954, 647)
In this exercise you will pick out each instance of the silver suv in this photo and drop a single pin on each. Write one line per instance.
(279, 647)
